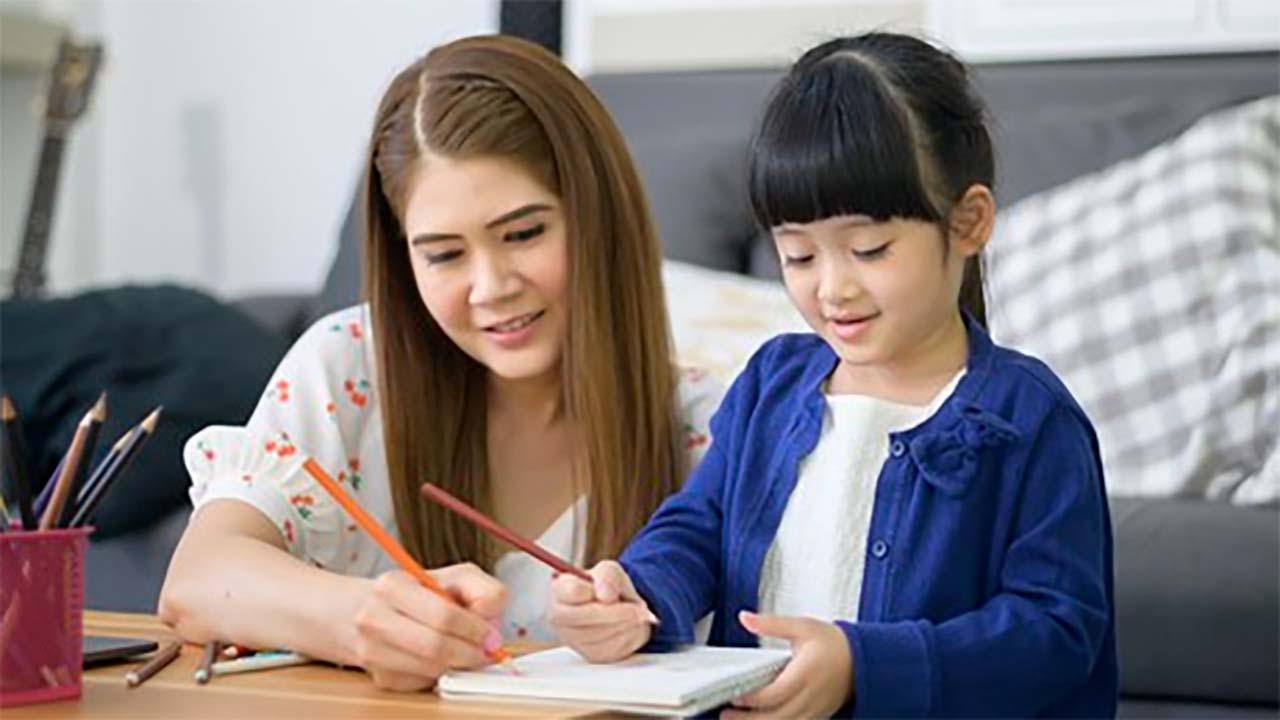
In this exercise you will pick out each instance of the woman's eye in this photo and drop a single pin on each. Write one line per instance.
(872, 253)
(796, 259)
(441, 257)
(527, 233)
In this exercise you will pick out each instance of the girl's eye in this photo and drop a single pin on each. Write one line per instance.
(871, 254)
(526, 234)
(441, 257)
(796, 259)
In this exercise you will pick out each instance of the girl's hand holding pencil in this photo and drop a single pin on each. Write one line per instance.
(605, 620)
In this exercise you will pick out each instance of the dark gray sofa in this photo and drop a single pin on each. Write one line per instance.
(1196, 582)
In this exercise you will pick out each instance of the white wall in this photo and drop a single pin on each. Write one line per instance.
(1016, 30)
(658, 35)
(225, 136)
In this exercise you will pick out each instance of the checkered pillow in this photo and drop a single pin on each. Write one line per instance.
(1153, 289)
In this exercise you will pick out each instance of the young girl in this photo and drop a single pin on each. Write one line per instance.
(514, 349)
(918, 512)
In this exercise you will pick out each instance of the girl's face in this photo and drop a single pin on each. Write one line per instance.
(489, 251)
(879, 293)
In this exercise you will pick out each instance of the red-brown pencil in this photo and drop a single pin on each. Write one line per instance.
(475, 517)
(70, 467)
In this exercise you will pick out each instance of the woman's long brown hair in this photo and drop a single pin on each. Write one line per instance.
(498, 96)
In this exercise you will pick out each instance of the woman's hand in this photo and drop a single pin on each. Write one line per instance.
(817, 681)
(604, 620)
(406, 636)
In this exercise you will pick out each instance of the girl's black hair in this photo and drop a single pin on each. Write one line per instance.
(880, 124)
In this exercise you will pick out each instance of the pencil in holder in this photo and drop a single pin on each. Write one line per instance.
(41, 615)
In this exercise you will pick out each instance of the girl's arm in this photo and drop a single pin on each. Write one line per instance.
(1041, 636)
(675, 561)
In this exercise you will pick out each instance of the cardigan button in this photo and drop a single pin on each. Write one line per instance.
(879, 549)
(898, 448)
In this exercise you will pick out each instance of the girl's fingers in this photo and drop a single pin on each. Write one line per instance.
(571, 590)
(599, 638)
(567, 617)
(777, 693)
(612, 582)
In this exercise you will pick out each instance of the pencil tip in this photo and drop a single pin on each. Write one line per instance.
(8, 411)
(149, 424)
(99, 410)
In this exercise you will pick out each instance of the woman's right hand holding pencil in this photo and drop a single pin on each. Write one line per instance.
(604, 620)
(406, 636)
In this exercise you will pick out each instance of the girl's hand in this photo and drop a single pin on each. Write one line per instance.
(406, 636)
(815, 683)
(604, 620)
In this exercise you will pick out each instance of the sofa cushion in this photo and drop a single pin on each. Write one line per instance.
(1196, 600)
(1153, 289)
(205, 362)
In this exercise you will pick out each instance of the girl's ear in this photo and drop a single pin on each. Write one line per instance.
(971, 220)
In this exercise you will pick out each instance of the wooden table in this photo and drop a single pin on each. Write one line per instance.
(312, 692)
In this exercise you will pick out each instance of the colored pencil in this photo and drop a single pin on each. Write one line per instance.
(204, 671)
(97, 417)
(70, 466)
(16, 463)
(42, 500)
(105, 464)
(234, 651)
(260, 661)
(385, 541)
(491, 526)
(96, 492)
(158, 662)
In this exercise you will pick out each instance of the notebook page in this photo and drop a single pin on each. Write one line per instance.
(654, 679)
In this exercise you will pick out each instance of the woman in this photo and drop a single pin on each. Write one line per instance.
(514, 350)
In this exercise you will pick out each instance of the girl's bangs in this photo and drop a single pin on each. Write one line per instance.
(834, 142)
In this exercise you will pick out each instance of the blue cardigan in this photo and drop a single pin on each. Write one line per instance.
(987, 589)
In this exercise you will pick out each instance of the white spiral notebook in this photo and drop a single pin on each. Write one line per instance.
(685, 682)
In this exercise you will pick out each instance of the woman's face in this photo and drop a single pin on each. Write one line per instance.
(489, 251)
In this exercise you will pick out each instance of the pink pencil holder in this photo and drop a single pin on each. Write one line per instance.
(41, 615)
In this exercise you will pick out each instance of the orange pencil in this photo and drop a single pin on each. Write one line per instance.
(384, 540)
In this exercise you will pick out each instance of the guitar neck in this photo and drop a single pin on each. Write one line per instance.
(29, 279)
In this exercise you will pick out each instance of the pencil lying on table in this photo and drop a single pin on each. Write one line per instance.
(259, 661)
(158, 662)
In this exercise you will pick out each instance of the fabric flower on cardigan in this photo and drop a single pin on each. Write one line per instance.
(948, 458)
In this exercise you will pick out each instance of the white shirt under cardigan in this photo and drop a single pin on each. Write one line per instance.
(322, 403)
(814, 565)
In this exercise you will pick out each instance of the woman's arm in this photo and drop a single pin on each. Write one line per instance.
(231, 579)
